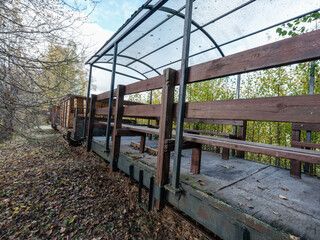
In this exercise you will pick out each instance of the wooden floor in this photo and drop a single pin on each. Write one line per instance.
(265, 192)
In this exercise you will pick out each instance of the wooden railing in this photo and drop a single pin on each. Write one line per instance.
(294, 109)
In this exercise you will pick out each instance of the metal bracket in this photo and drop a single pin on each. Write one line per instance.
(150, 200)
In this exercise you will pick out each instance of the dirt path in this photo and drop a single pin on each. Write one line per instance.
(49, 190)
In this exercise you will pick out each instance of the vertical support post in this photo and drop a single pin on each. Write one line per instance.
(116, 140)
(143, 143)
(182, 95)
(311, 92)
(87, 103)
(91, 121)
(113, 77)
(242, 132)
(295, 165)
(165, 130)
(196, 159)
(237, 97)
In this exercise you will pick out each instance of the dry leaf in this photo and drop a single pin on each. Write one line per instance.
(293, 237)
(249, 198)
(284, 189)
(282, 197)
(275, 213)
(201, 182)
(62, 230)
(224, 166)
(249, 206)
(241, 204)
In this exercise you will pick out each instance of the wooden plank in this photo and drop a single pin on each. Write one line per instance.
(165, 130)
(304, 144)
(196, 159)
(142, 143)
(267, 149)
(118, 115)
(146, 85)
(207, 132)
(141, 129)
(302, 48)
(91, 121)
(242, 133)
(213, 121)
(225, 153)
(306, 127)
(153, 110)
(295, 165)
(304, 109)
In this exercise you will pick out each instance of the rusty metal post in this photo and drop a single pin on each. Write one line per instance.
(113, 78)
(182, 95)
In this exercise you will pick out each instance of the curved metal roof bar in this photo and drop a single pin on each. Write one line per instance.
(134, 59)
(240, 38)
(120, 73)
(133, 69)
(158, 5)
(153, 28)
(181, 15)
(216, 19)
(122, 27)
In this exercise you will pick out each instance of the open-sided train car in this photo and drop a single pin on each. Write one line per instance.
(227, 194)
(69, 116)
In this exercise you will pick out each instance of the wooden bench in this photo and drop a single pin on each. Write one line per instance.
(294, 109)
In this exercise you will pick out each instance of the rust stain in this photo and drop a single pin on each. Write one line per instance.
(203, 213)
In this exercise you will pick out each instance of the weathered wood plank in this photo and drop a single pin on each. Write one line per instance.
(142, 110)
(267, 149)
(165, 130)
(196, 159)
(306, 127)
(305, 144)
(146, 85)
(302, 48)
(303, 109)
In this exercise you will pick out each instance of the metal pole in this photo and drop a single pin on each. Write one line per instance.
(237, 97)
(113, 77)
(182, 95)
(311, 91)
(150, 102)
(87, 104)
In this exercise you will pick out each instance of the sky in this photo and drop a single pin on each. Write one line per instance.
(106, 18)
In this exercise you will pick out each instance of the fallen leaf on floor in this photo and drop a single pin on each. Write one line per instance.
(275, 213)
(133, 156)
(284, 189)
(294, 237)
(249, 206)
(201, 182)
(282, 197)
(249, 198)
(241, 204)
(224, 166)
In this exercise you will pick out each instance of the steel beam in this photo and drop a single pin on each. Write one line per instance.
(87, 104)
(311, 91)
(113, 77)
(182, 95)
(123, 74)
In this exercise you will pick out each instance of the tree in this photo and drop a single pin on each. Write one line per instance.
(37, 59)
